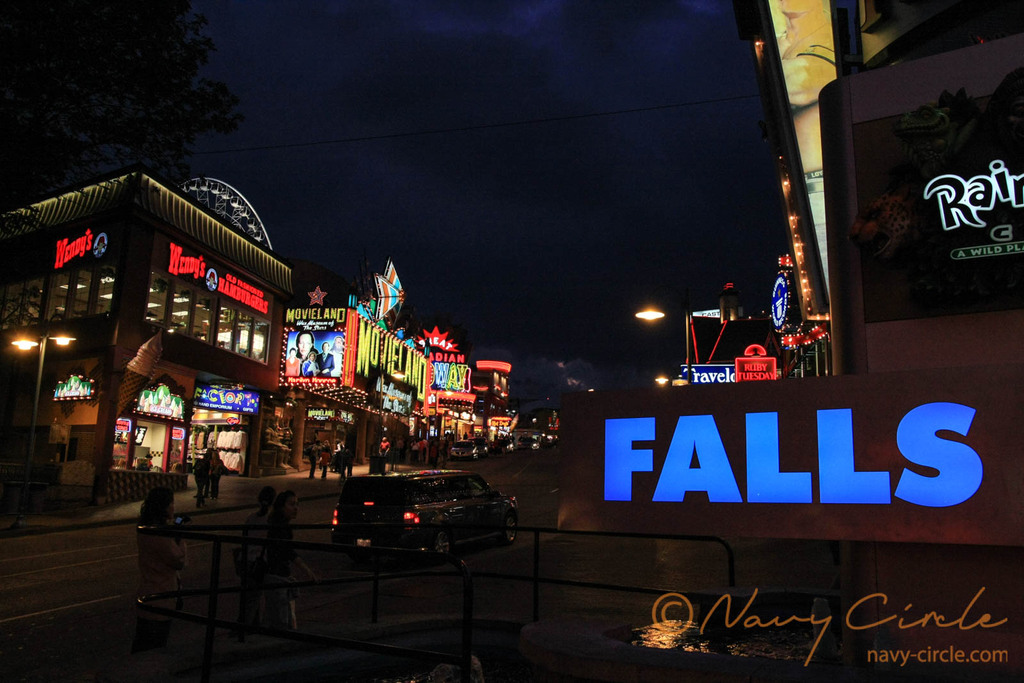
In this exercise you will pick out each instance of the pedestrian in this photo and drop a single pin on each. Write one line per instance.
(160, 559)
(254, 568)
(348, 459)
(434, 452)
(336, 460)
(216, 472)
(325, 459)
(312, 452)
(201, 471)
(281, 558)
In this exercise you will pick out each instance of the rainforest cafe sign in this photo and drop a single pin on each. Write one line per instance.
(230, 286)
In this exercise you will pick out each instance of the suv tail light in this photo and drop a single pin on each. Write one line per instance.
(410, 518)
(334, 520)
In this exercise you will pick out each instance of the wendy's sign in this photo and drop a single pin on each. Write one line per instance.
(844, 458)
(70, 249)
(181, 264)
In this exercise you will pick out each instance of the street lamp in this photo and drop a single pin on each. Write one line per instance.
(24, 345)
(651, 314)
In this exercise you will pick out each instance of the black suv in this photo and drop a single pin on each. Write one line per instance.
(424, 502)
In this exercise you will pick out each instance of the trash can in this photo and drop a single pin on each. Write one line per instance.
(378, 464)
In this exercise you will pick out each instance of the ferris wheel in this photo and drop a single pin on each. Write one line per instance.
(228, 203)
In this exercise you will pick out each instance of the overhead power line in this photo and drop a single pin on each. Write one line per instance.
(483, 126)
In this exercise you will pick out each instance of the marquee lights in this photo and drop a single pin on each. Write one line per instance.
(495, 365)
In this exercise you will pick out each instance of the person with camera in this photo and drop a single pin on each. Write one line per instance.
(160, 559)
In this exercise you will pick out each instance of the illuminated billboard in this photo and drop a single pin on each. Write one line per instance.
(806, 52)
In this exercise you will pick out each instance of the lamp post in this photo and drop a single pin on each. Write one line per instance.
(651, 314)
(24, 345)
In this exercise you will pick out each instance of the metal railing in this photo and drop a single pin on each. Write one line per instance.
(218, 536)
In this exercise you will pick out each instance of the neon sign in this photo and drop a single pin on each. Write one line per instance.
(177, 433)
(227, 399)
(756, 365)
(160, 402)
(959, 467)
(451, 377)
(960, 200)
(227, 284)
(68, 249)
(711, 374)
(74, 388)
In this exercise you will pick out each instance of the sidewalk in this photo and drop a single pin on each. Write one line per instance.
(236, 493)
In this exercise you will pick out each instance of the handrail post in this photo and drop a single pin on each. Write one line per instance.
(211, 609)
(467, 621)
(243, 594)
(536, 575)
(376, 587)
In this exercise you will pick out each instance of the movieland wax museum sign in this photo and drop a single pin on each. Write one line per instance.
(843, 458)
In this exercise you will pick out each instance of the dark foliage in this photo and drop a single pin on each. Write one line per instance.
(87, 86)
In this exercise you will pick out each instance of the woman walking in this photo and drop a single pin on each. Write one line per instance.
(160, 560)
(281, 558)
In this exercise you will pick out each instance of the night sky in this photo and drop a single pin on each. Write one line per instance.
(538, 170)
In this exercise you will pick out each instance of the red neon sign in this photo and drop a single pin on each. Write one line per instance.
(496, 365)
(756, 365)
(68, 249)
(228, 285)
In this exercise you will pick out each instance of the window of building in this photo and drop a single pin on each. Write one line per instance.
(181, 308)
(107, 275)
(260, 333)
(243, 335)
(226, 327)
(156, 307)
(57, 301)
(20, 303)
(80, 291)
(202, 317)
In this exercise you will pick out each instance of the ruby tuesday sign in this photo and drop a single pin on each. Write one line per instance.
(839, 458)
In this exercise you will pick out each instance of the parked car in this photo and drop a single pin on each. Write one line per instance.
(527, 443)
(463, 450)
(424, 502)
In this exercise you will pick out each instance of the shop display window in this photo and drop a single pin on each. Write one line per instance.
(156, 307)
(225, 327)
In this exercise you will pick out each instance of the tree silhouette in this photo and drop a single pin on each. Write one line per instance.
(86, 87)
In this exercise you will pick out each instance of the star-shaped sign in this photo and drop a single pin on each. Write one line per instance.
(316, 297)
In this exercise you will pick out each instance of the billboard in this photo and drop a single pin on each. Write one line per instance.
(924, 456)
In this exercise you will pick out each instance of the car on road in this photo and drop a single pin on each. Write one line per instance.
(463, 450)
(527, 443)
(500, 445)
(422, 510)
(481, 446)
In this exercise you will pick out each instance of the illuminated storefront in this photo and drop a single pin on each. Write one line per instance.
(352, 376)
(175, 314)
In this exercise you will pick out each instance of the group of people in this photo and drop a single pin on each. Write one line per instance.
(208, 470)
(320, 455)
(267, 569)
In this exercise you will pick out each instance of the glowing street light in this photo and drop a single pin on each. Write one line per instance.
(650, 314)
(25, 344)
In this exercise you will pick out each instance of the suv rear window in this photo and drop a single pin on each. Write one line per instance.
(381, 491)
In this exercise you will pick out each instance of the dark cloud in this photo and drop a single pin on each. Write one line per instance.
(541, 237)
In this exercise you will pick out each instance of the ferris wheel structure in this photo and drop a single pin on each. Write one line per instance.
(228, 203)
